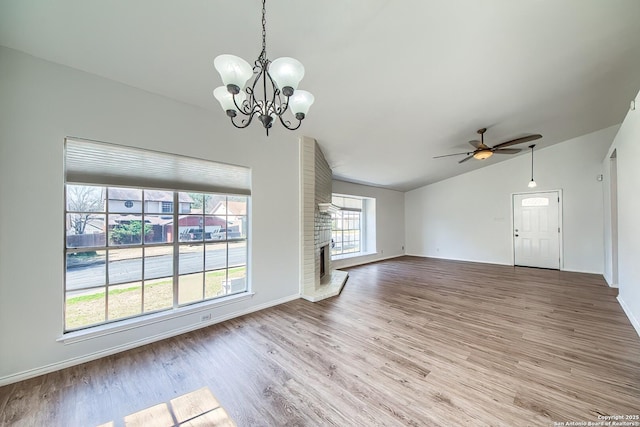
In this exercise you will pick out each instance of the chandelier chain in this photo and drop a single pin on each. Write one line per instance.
(263, 54)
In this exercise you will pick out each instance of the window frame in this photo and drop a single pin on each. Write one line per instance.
(103, 164)
(350, 216)
(166, 207)
(176, 307)
(365, 207)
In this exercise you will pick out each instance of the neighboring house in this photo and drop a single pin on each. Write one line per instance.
(125, 206)
(156, 201)
(191, 227)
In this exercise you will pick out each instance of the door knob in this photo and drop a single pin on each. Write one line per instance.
(516, 235)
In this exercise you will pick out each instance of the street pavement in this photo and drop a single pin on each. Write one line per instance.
(130, 270)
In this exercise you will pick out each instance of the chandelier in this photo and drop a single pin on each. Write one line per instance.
(276, 80)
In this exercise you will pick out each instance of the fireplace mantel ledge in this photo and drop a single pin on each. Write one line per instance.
(328, 208)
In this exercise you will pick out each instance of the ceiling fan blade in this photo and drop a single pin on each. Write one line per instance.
(466, 158)
(519, 141)
(448, 155)
(475, 143)
(507, 150)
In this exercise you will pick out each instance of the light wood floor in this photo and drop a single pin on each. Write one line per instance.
(410, 341)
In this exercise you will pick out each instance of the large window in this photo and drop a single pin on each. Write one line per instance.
(352, 226)
(129, 253)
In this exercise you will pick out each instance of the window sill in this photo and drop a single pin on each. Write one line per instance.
(125, 325)
(352, 255)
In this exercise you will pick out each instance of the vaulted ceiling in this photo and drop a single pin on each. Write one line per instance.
(396, 82)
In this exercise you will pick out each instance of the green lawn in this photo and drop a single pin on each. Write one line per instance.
(127, 299)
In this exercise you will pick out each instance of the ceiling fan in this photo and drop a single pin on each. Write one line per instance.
(483, 151)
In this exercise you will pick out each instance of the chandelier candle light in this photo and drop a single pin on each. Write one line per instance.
(278, 80)
(532, 183)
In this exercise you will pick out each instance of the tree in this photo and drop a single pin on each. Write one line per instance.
(130, 233)
(84, 201)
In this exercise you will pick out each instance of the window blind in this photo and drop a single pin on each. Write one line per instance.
(346, 203)
(92, 162)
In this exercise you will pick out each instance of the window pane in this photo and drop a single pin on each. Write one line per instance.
(158, 262)
(125, 300)
(85, 269)
(236, 205)
(236, 281)
(237, 253)
(191, 259)
(217, 205)
(215, 256)
(124, 200)
(158, 201)
(191, 202)
(158, 294)
(84, 308)
(161, 229)
(126, 229)
(84, 198)
(191, 228)
(215, 228)
(85, 230)
(213, 281)
(125, 265)
(190, 288)
(346, 229)
(237, 227)
(535, 201)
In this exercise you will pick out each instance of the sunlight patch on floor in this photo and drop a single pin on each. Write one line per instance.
(198, 408)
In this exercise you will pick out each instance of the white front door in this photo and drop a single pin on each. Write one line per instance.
(536, 229)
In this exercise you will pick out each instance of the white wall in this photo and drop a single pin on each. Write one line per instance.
(40, 104)
(468, 217)
(389, 222)
(627, 146)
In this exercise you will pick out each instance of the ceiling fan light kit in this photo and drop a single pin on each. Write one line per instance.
(276, 80)
(482, 155)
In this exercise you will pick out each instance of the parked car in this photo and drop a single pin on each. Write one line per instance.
(192, 234)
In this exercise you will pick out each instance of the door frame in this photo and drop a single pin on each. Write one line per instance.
(613, 200)
(560, 224)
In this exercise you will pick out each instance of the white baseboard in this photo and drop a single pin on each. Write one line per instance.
(30, 373)
(355, 261)
(634, 322)
(500, 263)
(571, 270)
(460, 259)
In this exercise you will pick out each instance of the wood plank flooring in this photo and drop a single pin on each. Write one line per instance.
(410, 341)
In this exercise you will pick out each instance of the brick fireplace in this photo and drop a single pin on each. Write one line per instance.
(319, 279)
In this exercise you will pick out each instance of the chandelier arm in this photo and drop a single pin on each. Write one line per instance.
(282, 106)
(260, 69)
(245, 123)
(277, 106)
(287, 124)
(245, 106)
